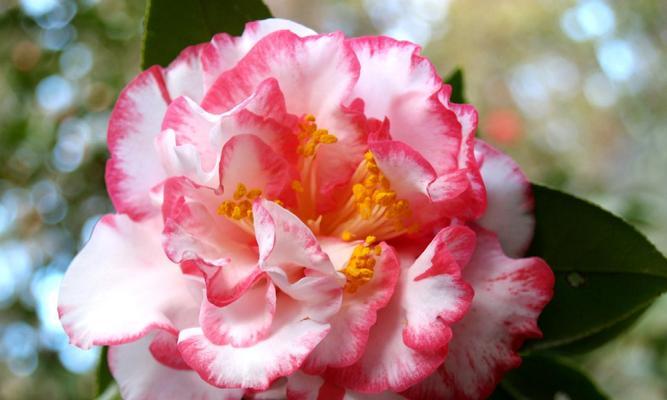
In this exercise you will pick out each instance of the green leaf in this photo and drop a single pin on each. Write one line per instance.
(455, 79)
(172, 25)
(103, 375)
(543, 377)
(606, 272)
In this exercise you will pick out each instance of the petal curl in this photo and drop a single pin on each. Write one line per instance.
(291, 339)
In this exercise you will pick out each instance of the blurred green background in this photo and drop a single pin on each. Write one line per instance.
(574, 90)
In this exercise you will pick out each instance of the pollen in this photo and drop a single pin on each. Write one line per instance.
(310, 136)
(360, 268)
(297, 186)
(241, 206)
(347, 236)
(374, 193)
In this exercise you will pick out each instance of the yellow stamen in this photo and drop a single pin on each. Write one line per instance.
(240, 207)
(347, 236)
(297, 186)
(311, 136)
(360, 268)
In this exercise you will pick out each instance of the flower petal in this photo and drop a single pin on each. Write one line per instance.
(243, 322)
(315, 74)
(134, 167)
(196, 235)
(398, 83)
(184, 75)
(165, 351)
(115, 291)
(291, 339)
(350, 327)
(436, 296)
(224, 51)
(509, 211)
(140, 377)
(290, 254)
(509, 296)
(409, 340)
(247, 160)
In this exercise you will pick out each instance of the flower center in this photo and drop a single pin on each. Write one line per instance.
(373, 207)
(310, 136)
(360, 268)
(240, 208)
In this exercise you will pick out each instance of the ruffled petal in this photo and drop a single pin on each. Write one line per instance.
(165, 351)
(291, 255)
(292, 338)
(141, 377)
(401, 85)
(509, 212)
(115, 291)
(184, 75)
(509, 296)
(195, 235)
(350, 327)
(409, 340)
(224, 51)
(135, 167)
(315, 74)
(243, 322)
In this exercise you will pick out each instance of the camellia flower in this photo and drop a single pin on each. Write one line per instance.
(305, 216)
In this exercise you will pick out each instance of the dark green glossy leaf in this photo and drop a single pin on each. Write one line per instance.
(172, 25)
(455, 79)
(606, 271)
(543, 377)
(103, 375)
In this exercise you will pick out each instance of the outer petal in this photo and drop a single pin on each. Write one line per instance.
(409, 340)
(115, 291)
(509, 212)
(315, 74)
(397, 83)
(291, 339)
(350, 327)
(509, 296)
(302, 386)
(134, 167)
(225, 51)
(436, 295)
(183, 76)
(243, 322)
(141, 377)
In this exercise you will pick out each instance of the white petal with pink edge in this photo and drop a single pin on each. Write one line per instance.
(509, 211)
(397, 83)
(409, 340)
(509, 296)
(135, 167)
(224, 51)
(115, 291)
(315, 74)
(291, 255)
(243, 322)
(141, 377)
(291, 339)
(351, 325)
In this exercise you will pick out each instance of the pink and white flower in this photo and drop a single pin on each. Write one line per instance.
(307, 216)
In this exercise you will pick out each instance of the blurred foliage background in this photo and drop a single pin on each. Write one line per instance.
(574, 90)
